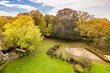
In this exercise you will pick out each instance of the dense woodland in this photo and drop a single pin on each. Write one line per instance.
(26, 30)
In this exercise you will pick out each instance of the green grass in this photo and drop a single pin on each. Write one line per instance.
(39, 62)
(99, 68)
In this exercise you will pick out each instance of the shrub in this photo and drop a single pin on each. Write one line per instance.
(85, 62)
(21, 55)
(60, 56)
(52, 51)
(2, 67)
(2, 62)
(71, 60)
(79, 68)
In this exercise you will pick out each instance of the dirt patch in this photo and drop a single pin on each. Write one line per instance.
(80, 52)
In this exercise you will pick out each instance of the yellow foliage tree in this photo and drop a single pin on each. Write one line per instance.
(41, 21)
(23, 33)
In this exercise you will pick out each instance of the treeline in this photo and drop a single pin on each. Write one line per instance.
(68, 24)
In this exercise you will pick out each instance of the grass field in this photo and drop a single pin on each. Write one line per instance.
(40, 62)
(99, 68)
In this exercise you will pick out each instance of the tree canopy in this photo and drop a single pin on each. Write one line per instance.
(65, 26)
(23, 33)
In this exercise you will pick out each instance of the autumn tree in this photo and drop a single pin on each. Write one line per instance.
(44, 22)
(48, 19)
(99, 26)
(22, 33)
(4, 20)
(36, 16)
(84, 23)
(25, 14)
(106, 38)
(49, 24)
(91, 29)
(65, 26)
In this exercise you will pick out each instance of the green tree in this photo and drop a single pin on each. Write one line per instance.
(22, 33)
(49, 25)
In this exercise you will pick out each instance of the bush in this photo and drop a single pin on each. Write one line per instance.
(60, 56)
(71, 60)
(2, 67)
(85, 62)
(79, 69)
(2, 62)
(21, 55)
(52, 51)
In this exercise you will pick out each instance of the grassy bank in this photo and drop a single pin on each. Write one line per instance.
(40, 62)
